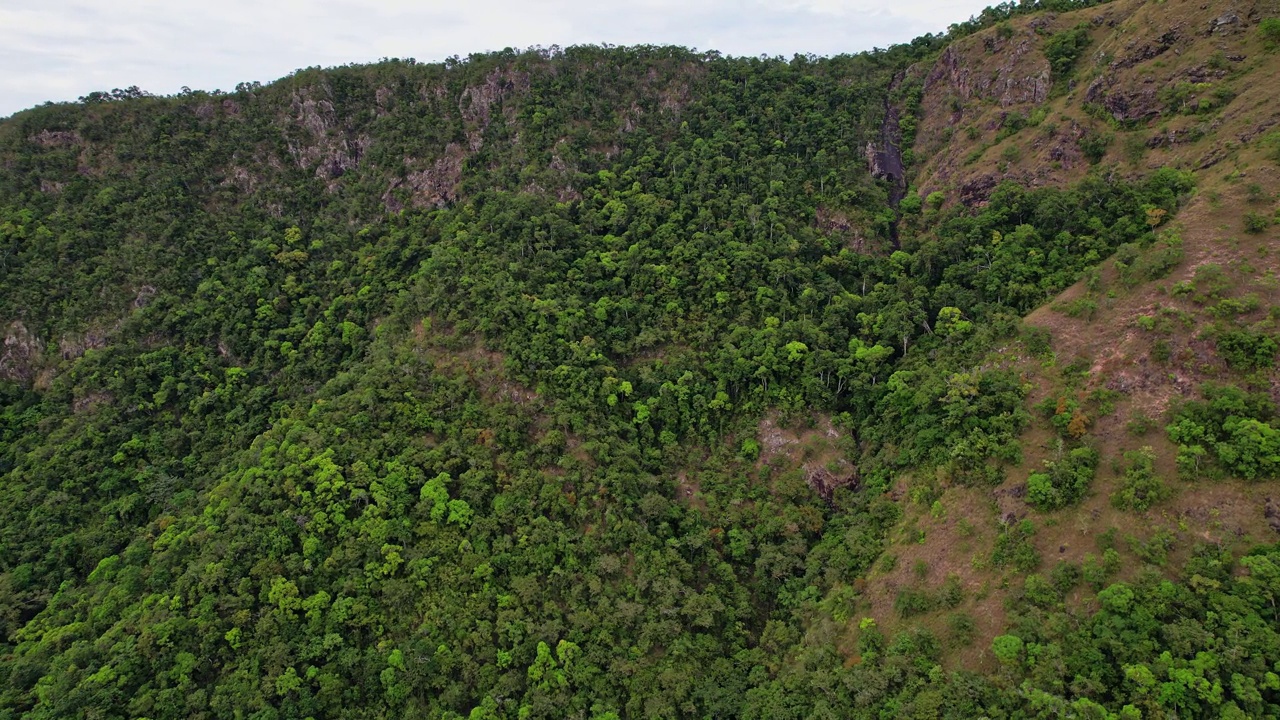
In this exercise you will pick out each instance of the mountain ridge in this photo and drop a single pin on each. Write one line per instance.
(613, 383)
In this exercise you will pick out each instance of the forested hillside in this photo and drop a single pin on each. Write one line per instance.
(935, 381)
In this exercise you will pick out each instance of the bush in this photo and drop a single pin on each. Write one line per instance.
(1037, 591)
(1256, 222)
(951, 594)
(1161, 351)
(1124, 260)
(1094, 145)
(1230, 426)
(962, 629)
(913, 601)
(1269, 30)
(1007, 649)
(1140, 488)
(1014, 547)
(1064, 577)
(1163, 258)
(1037, 340)
(1246, 350)
(1140, 424)
(1271, 143)
(1063, 482)
(1064, 48)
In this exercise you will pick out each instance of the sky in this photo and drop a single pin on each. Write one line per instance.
(62, 49)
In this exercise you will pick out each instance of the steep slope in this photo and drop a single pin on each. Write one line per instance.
(1123, 350)
(611, 383)
(1140, 86)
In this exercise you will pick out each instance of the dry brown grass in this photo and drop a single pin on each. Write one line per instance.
(1138, 50)
(1234, 177)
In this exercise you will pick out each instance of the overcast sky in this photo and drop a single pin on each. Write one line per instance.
(63, 49)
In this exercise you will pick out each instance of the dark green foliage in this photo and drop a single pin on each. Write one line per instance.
(913, 601)
(1256, 222)
(1162, 257)
(432, 390)
(1269, 31)
(1141, 487)
(1245, 349)
(962, 628)
(1014, 548)
(1156, 636)
(1037, 340)
(1140, 424)
(1094, 143)
(1271, 143)
(1063, 481)
(1230, 429)
(1065, 48)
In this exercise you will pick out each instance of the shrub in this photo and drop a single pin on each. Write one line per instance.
(951, 594)
(1269, 30)
(1271, 143)
(1082, 308)
(1161, 351)
(1141, 488)
(1163, 258)
(1140, 424)
(1014, 547)
(1124, 260)
(1007, 649)
(1037, 340)
(962, 629)
(912, 601)
(1064, 577)
(1256, 222)
(1064, 48)
(1063, 482)
(1037, 591)
(1093, 572)
(1246, 350)
(1231, 427)
(1094, 145)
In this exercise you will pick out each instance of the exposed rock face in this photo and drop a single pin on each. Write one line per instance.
(322, 145)
(977, 190)
(477, 102)
(1023, 76)
(1142, 52)
(436, 185)
(57, 138)
(825, 482)
(1127, 102)
(1226, 23)
(21, 353)
(883, 164)
(1272, 513)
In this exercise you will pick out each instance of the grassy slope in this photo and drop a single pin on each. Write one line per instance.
(1131, 57)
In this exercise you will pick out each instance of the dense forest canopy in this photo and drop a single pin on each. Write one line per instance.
(432, 390)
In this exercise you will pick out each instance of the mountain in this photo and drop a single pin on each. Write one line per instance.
(935, 381)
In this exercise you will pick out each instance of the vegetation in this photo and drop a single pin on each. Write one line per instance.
(1065, 48)
(1063, 481)
(1232, 429)
(1141, 487)
(444, 390)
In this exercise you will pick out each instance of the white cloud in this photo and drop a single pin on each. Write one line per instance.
(62, 49)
